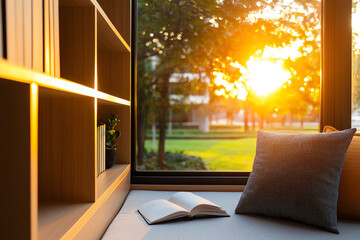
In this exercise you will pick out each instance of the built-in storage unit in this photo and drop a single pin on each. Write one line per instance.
(49, 117)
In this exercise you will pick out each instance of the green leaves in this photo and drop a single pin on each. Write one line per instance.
(111, 133)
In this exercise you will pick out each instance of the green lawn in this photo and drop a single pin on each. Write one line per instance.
(223, 148)
(218, 154)
(226, 132)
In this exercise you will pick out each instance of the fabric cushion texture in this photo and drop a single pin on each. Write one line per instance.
(349, 189)
(296, 176)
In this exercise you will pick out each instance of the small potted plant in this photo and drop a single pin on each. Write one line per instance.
(111, 136)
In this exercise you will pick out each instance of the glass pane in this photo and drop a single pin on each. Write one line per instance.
(356, 65)
(211, 73)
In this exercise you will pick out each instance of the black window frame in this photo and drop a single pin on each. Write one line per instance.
(335, 95)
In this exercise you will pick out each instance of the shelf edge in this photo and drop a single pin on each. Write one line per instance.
(16, 73)
(20, 74)
(111, 25)
(110, 98)
(71, 233)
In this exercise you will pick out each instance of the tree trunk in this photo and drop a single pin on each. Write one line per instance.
(261, 121)
(283, 119)
(141, 133)
(253, 120)
(246, 118)
(141, 118)
(163, 112)
(302, 122)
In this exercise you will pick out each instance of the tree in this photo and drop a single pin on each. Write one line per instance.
(209, 36)
(297, 24)
(175, 33)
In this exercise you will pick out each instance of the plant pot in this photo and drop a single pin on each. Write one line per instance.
(110, 157)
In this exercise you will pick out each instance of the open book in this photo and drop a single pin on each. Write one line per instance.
(181, 204)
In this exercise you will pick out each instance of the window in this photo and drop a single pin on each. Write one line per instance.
(211, 73)
(355, 118)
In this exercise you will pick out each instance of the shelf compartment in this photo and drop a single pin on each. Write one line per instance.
(57, 218)
(109, 39)
(64, 219)
(111, 177)
(77, 42)
(123, 148)
(114, 73)
(119, 13)
(107, 206)
(66, 147)
(21, 75)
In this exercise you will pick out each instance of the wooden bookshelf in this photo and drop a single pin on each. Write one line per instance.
(50, 117)
(120, 21)
(110, 177)
(57, 218)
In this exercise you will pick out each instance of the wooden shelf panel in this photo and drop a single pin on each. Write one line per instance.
(59, 219)
(76, 3)
(109, 177)
(118, 12)
(15, 179)
(110, 204)
(66, 146)
(114, 73)
(109, 39)
(56, 218)
(20, 74)
(111, 99)
(77, 44)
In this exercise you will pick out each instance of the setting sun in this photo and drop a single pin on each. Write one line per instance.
(265, 76)
(260, 76)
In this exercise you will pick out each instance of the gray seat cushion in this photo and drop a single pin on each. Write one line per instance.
(297, 176)
(129, 225)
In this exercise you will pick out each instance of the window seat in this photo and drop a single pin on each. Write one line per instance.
(128, 224)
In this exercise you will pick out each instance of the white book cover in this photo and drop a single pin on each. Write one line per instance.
(98, 150)
(103, 147)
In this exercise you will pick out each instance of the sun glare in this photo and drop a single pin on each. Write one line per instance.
(264, 72)
(259, 76)
(265, 76)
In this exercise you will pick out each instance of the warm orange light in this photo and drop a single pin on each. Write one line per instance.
(356, 29)
(34, 96)
(265, 77)
(110, 98)
(17, 73)
(290, 51)
(233, 90)
(261, 76)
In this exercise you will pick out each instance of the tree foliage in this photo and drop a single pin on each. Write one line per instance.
(207, 36)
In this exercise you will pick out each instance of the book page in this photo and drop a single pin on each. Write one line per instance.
(189, 200)
(161, 210)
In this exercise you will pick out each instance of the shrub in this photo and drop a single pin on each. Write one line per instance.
(177, 160)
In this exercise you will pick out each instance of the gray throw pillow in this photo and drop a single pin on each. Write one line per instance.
(296, 176)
